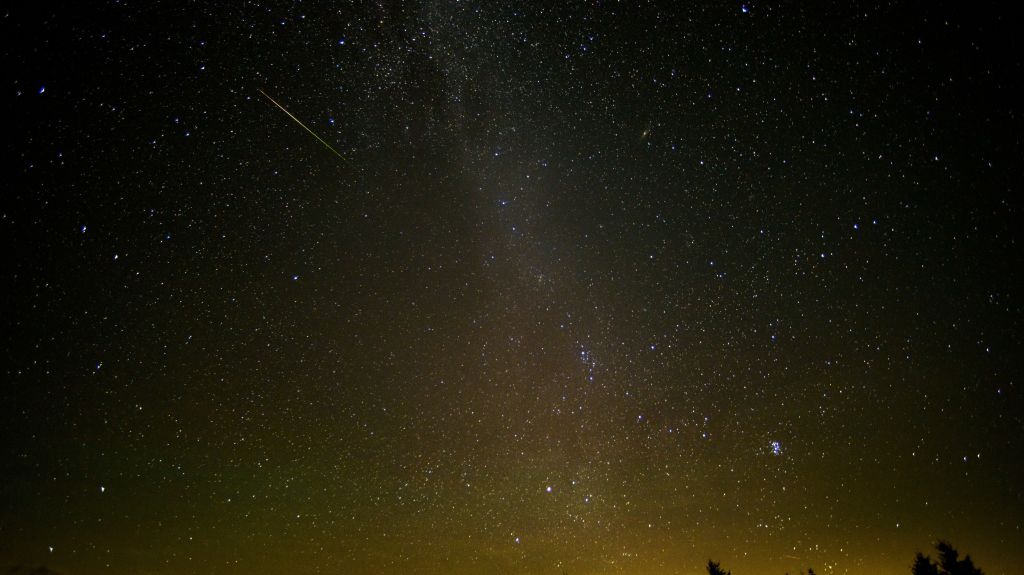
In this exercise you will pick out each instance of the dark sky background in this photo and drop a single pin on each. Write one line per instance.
(594, 288)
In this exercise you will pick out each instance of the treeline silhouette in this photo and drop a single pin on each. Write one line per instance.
(949, 563)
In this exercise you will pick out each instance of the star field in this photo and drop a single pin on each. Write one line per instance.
(584, 288)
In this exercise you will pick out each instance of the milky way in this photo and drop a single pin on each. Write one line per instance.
(595, 288)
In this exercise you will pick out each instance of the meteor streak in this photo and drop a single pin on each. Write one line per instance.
(299, 122)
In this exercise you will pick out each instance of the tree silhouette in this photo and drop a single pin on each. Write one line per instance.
(716, 569)
(949, 562)
(923, 566)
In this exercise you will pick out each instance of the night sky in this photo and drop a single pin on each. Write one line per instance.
(590, 288)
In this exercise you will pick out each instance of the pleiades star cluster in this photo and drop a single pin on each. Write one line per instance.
(454, 287)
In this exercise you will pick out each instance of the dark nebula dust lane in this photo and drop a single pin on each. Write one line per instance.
(586, 288)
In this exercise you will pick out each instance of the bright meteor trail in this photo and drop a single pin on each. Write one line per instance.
(299, 122)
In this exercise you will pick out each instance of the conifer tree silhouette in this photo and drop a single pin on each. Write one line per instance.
(949, 562)
(924, 566)
(716, 569)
